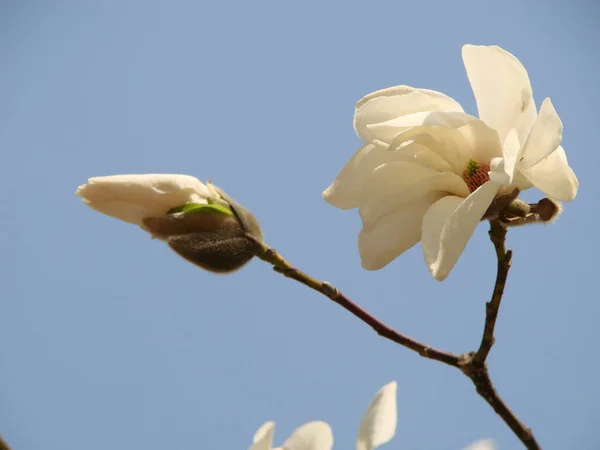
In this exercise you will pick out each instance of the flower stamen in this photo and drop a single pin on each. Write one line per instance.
(475, 175)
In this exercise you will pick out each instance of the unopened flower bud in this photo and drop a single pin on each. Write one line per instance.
(200, 222)
(522, 213)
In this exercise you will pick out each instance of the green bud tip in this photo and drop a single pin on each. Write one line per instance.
(200, 208)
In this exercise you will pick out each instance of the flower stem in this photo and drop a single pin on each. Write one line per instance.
(498, 237)
(474, 363)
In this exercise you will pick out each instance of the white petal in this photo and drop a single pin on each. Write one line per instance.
(410, 150)
(389, 103)
(502, 89)
(483, 444)
(520, 182)
(448, 226)
(395, 233)
(395, 184)
(554, 177)
(481, 140)
(504, 171)
(512, 151)
(545, 136)
(386, 131)
(345, 191)
(263, 438)
(456, 146)
(378, 424)
(497, 172)
(310, 436)
(132, 198)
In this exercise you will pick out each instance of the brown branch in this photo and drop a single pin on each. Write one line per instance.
(3, 444)
(498, 237)
(280, 265)
(478, 372)
(472, 364)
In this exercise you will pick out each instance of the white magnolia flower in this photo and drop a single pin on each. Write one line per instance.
(377, 427)
(134, 198)
(429, 172)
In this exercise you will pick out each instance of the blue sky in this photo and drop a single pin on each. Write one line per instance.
(108, 339)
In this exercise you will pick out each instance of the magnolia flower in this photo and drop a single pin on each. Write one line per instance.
(430, 172)
(377, 427)
(199, 221)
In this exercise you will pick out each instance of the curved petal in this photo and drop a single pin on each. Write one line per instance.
(502, 89)
(448, 226)
(554, 177)
(132, 198)
(410, 150)
(345, 191)
(481, 139)
(310, 436)
(498, 171)
(545, 136)
(395, 233)
(502, 170)
(378, 424)
(483, 444)
(520, 182)
(386, 131)
(512, 151)
(395, 184)
(263, 438)
(473, 140)
(392, 102)
(441, 140)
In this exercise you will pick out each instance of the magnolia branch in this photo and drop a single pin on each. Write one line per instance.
(280, 265)
(472, 364)
(498, 237)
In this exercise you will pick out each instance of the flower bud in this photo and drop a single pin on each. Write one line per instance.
(211, 236)
(519, 213)
(199, 222)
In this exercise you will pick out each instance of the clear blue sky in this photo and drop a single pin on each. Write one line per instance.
(109, 340)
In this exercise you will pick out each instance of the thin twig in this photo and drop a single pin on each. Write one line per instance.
(498, 237)
(478, 373)
(472, 364)
(280, 265)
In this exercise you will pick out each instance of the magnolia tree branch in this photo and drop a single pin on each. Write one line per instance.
(498, 237)
(472, 364)
(280, 265)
